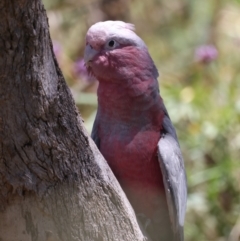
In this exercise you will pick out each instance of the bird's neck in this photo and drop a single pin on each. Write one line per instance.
(125, 104)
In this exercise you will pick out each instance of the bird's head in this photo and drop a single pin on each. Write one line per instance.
(114, 52)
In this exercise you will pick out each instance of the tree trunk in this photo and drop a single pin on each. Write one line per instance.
(54, 183)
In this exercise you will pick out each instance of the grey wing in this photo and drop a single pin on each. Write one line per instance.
(94, 133)
(174, 176)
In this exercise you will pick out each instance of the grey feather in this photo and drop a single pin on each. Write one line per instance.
(174, 176)
(94, 133)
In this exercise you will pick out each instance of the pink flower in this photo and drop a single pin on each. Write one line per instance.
(206, 54)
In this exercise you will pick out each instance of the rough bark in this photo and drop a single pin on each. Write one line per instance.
(54, 184)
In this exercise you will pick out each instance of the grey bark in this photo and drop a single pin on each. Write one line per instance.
(54, 184)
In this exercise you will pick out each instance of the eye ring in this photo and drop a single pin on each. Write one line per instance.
(112, 44)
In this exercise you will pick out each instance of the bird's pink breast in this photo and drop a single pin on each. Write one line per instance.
(132, 156)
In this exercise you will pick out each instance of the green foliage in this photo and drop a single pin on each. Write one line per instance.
(202, 97)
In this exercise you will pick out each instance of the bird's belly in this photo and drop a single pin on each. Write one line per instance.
(134, 161)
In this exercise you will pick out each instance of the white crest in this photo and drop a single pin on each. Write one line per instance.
(123, 32)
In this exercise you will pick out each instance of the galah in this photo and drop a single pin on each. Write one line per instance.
(133, 130)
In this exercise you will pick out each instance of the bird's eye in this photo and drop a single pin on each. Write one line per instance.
(111, 44)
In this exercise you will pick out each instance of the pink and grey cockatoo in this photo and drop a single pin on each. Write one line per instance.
(133, 130)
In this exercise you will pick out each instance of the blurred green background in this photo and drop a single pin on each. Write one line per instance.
(196, 47)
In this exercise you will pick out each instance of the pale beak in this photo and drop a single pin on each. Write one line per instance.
(89, 53)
